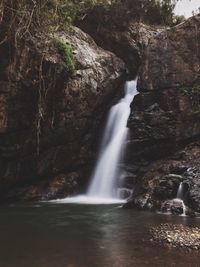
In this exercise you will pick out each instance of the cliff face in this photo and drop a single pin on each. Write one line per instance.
(170, 87)
(165, 117)
(49, 119)
(172, 58)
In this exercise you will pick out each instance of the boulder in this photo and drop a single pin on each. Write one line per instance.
(174, 206)
(158, 187)
(50, 120)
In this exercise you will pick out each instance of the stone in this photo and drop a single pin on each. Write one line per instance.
(50, 123)
(159, 186)
(176, 235)
(172, 58)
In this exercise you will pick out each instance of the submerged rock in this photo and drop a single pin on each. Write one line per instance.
(174, 206)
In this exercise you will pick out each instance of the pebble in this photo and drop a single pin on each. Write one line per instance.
(177, 235)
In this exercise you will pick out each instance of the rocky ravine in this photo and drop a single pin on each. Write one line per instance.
(165, 120)
(49, 121)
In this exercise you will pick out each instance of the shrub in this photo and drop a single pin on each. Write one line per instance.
(193, 93)
(178, 19)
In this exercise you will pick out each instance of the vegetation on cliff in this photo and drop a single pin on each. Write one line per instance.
(65, 51)
(29, 15)
(193, 93)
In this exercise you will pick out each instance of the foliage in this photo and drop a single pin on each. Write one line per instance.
(53, 14)
(193, 93)
(63, 12)
(119, 13)
(65, 51)
(178, 19)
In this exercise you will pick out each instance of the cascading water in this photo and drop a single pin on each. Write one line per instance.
(103, 182)
(180, 191)
(103, 186)
(179, 198)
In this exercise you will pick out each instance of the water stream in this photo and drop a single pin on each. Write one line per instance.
(179, 198)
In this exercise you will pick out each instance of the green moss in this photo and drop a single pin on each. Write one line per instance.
(65, 50)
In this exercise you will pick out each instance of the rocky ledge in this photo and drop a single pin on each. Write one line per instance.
(175, 235)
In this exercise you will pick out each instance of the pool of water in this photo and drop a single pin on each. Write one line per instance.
(72, 235)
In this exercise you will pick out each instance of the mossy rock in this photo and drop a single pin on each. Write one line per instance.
(65, 50)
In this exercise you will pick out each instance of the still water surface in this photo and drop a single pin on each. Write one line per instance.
(71, 235)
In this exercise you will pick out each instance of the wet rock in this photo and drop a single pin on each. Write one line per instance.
(175, 206)
(64, 185)
(158, 185)
(167, 186)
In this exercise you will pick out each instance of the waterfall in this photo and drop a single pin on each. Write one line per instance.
(103, 182)
(179, 198)
(103, 187)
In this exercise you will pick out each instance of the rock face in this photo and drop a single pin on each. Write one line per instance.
(165, 119)
(173, 58)
(168, 101)
(49, 120)
(127, 39)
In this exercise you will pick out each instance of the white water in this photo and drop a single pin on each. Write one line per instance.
(180, 191)
(179, 198)
(85, 199)
(103, 186)
(106, 172)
